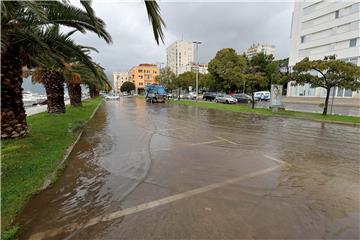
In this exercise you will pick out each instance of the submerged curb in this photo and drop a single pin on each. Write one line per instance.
(50, 179)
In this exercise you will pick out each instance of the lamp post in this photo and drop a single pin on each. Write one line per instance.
(160, 63)
(197, 71)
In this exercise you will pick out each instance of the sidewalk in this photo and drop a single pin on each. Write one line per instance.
(345, 102)
(38, 109)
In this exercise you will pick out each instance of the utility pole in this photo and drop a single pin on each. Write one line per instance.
(160, 63)
(198, 67)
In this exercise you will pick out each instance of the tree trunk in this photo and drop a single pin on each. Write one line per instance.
(253, 100)
(326, 101)
(74, 94)
(93, 92)
(13, 117)
(54, 86)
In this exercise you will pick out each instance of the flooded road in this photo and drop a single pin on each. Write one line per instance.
(158, 171)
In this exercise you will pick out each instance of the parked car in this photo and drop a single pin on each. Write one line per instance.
(112, 97)
(224, 98)
(262, 96)
(242, 98)
(209, 96)
(190, 96)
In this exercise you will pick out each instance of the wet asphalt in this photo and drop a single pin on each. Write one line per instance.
(159, 171)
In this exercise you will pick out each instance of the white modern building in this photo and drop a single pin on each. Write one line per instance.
(179, 55)
(192, 67)
(119, 78)
(254, 49)
(322, 28)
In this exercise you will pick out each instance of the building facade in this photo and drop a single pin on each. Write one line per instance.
(179, 55)
(143, 75)
(119, 78)
(254, 49)
(192, 67)
(322, 28)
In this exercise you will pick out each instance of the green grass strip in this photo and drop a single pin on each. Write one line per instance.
(26, 162)
(268, 112)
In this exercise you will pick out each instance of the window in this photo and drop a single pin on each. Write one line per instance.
(302, 39)
(139, 70)
(140, 83)
(352, 42)
(348, 93)
(337, 14)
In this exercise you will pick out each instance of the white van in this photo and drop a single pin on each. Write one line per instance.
(262, 95)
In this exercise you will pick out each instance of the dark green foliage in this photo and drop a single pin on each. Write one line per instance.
(127, 87)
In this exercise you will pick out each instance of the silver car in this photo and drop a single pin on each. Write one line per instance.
(224, 98)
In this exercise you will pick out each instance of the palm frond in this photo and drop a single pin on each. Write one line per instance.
(153, 11)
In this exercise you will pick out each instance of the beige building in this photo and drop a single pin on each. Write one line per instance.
(179, 56)
(143, 75)
(119, 78)
(260, 48)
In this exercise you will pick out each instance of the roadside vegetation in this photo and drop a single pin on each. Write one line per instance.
(268, 112)
(28, 161)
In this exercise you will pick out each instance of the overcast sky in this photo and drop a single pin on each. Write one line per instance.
(217, 24)
(234, 24)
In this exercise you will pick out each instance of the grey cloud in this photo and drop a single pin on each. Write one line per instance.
(218, 25)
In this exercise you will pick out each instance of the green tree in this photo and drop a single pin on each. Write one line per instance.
(226, 69)
(127, 87)
(166, 78)
(328, 73)
(278, 72)
(263, 63)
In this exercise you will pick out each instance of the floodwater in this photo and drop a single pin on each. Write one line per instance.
(158, 171)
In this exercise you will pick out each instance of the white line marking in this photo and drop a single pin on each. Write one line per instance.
(149, 205)
(276, 160)
(224, 139)
(204, 143)
(169, 129)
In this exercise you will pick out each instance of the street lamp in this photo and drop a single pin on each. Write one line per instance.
(197, 71)
(160, 63)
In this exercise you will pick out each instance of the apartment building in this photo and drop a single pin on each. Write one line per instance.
(192, 67)
(179, 55)
(119, 78)
(143, 75)
(323, 28)
(260, 48)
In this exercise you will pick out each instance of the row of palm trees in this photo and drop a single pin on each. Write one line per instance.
(33, 42)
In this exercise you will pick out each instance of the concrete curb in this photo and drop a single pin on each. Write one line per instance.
(50, 179)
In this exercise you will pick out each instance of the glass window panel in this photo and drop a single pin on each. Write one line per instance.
(348, 93)
(340, 92)
(352, 42)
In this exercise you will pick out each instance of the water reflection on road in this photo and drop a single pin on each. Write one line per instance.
(133, 152)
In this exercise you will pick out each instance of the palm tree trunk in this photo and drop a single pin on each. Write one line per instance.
(54, 86)
(13, 116)
(93, 91)
(326, 101)
(75, 94)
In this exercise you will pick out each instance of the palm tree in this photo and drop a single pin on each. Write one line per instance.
(20, 44)
(51, 73)
(78, 74)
